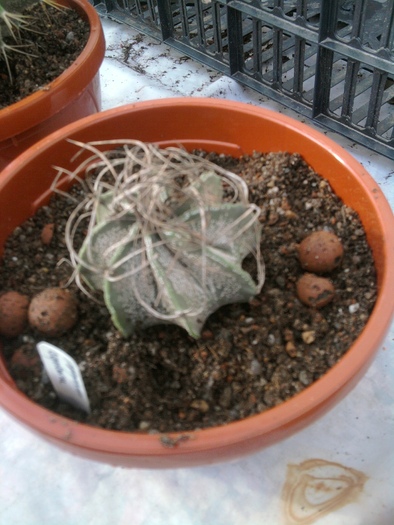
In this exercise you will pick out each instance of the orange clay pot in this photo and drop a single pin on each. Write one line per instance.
(71, 96)
(227, 127)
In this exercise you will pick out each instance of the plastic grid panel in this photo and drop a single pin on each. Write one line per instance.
(331, 60)
(141, 14)
(202, 25)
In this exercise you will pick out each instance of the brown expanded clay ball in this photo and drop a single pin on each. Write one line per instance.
(53, 311)
(47, 233)
(315, 291)
(13, 313)
(320, 252)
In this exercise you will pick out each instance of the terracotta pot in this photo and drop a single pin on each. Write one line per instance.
(71, 96)
(227, 127)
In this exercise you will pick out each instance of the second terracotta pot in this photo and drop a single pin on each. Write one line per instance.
(71, 96)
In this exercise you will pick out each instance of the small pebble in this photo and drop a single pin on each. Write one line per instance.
(320, 252)
(291, 349)
(226, 397)
(271, 339)
(200, 405)
(308, 337)
(255, 367)
(305, 378)
(47, 233)
(353, 308)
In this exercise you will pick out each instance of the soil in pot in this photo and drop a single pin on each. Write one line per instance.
(250, 357)
(56, 39)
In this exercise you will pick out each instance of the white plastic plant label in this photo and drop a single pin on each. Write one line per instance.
(65, 375)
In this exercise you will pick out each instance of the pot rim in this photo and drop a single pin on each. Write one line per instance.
(44, 103)
(289, 413)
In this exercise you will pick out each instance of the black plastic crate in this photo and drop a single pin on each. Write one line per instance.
(330, 60)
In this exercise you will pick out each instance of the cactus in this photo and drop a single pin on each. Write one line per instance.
(11, 25)
(167, 235)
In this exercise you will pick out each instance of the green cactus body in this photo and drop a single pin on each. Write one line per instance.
(179, 272)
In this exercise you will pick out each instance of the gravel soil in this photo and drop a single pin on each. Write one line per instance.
(55, 39)
(250, 357)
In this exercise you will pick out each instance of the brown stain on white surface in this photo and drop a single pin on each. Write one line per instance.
(317, 487)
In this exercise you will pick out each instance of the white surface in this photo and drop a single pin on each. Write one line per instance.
(41, 485)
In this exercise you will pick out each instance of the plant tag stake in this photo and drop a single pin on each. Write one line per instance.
(65, 375)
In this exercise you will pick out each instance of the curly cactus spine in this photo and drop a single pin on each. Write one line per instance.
(167, 238)
(12, 24)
